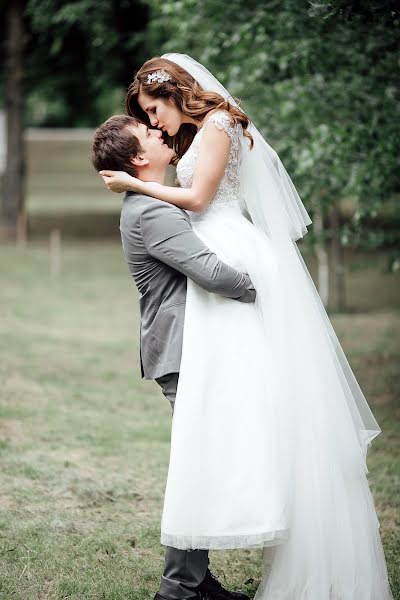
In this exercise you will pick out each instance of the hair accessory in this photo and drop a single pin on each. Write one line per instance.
(158, 76)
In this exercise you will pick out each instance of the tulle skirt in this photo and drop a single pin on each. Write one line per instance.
(267, 446)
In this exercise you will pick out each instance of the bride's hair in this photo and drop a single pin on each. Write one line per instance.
(188, 95)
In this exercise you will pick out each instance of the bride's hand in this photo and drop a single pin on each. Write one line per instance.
(120, 181)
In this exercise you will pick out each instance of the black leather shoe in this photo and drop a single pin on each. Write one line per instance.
(211, 589)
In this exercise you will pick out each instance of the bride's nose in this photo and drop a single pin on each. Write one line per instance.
(153, 120)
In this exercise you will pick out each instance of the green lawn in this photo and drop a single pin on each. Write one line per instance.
(84, 442)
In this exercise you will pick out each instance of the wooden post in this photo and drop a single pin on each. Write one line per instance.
(22, 230)
(321, 253)
(55, 254)
(337, 254)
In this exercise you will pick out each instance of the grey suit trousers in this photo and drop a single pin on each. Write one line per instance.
(184, 570)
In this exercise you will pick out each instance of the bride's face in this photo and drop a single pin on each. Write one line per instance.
(163, 114)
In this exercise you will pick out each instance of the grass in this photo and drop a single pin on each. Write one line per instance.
(84, 442)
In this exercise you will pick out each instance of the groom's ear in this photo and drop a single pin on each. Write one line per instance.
(139, 161)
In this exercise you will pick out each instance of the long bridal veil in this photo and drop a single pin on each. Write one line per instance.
(334, 550)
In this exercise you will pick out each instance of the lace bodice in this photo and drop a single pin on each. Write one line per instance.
(227, 194)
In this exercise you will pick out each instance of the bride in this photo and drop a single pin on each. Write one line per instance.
(271, 429)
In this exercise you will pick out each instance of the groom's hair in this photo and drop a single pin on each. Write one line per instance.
(115, 144)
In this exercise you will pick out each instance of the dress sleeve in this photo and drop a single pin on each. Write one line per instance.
(223, 121)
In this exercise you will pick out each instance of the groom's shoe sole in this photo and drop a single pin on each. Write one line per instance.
(159, 597)
(231, 596)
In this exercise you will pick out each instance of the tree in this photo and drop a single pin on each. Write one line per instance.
(81, 57)
(14, 175)
(74, 61)
(320, 80)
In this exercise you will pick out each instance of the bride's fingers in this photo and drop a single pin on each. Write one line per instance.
(107, 173)
(108, 181)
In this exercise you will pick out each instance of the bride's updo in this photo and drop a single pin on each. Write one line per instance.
(189, 97)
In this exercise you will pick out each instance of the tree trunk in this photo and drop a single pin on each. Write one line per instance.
(337, 254)
(14, 175)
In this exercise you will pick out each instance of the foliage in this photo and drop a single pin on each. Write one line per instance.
(319, 79)
(80, 56)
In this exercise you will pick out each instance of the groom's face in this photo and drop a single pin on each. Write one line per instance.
(155, 151)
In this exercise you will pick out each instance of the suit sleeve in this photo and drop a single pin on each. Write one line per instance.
(169, 237)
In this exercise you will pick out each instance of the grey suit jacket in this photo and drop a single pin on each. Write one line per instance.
(161, 251)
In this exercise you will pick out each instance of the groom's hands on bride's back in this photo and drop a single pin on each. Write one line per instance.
(169, 237)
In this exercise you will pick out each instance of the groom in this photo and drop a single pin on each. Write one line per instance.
(161, 251)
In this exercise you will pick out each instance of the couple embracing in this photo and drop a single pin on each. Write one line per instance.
(270, 428)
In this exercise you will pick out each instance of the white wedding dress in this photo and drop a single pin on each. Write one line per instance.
(247, 468)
